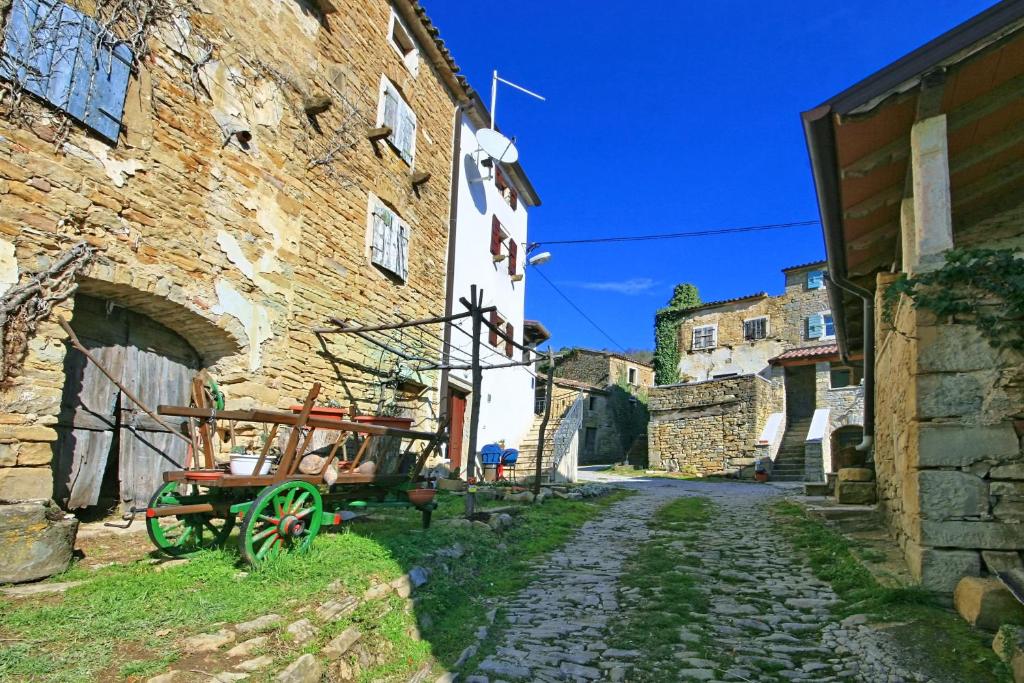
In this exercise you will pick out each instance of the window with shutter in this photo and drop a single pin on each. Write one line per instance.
(63, 56)
(497, 236)
(704, 337)
(815, 279)
(829, 325)
(389, 246)
(815, 326)
(755, 328)
(496, 323)
(510, 333)
(395, 113)
(513, 254)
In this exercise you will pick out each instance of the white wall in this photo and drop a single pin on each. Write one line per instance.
(506, 401)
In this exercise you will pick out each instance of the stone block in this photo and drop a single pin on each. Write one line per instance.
(946, 494)
(856, 474)
(951, 394)
(953, 348)
(985, 535)
(856, 492)
(957, 445)
(36, 541)
(986, 603)
(25, 483)
(8, 454)
(941, 570)
(1001, 561)
(35, 453)
(1015, 471)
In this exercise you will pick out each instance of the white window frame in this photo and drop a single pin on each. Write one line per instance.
(767, 327)
(714, 337)
(631, 376)
(411, 59)
(824, 326)
(405, 238)
(396, 131)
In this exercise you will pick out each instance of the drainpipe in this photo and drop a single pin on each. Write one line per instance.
(453, 220)
(821, 147)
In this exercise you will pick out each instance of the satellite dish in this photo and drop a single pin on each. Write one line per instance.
(497, 146)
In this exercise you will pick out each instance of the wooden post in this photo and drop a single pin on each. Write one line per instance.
(549, 391)
(477, 376)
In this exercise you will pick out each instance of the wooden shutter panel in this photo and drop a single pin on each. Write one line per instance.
(815, 326)
(495, 322)
(402, 257)
(509, 332)
(513, 252)
(513, 199)
(495, 236)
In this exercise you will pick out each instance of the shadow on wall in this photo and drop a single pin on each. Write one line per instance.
(475, 181)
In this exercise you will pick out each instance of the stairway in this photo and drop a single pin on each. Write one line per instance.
(527, 463)
(789, 463)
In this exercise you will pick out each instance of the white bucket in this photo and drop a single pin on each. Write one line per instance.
(245, 464)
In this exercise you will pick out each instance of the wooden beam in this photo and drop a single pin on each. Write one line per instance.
(1010, 173)
(887, 197)
(997, 144)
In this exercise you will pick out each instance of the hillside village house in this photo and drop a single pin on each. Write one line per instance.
(201, 199)
(488, 245)
(761, 377)
(916, 162)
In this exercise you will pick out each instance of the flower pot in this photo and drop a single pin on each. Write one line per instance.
(384, 421)
(245, 464)
(323, 412)
(761, 476)
(420, 496)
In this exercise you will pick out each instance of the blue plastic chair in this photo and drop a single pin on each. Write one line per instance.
(491, 454)
(509, 457)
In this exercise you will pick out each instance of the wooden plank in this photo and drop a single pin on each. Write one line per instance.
(87, 453)
(288, 460)
(290, 419)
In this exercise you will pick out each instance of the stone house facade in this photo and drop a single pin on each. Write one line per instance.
(274, 166)
(788, 342)
(947, 420)
(613, 389)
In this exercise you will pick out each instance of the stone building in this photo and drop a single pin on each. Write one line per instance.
(761, 377)
(915, 164)
(613, 390)
(273, 166)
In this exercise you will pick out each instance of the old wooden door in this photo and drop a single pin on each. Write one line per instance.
(456, 427)
(107, 448)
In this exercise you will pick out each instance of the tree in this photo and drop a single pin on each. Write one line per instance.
(666, 332)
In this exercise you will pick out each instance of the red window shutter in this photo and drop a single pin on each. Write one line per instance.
(495, 236)
(513, 251)
(495, 323)
(508, 343)
(514, 199)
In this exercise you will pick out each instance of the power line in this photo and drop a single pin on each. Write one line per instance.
(679, 235)
(578, 309)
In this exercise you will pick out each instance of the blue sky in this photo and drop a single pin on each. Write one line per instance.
(668, 117)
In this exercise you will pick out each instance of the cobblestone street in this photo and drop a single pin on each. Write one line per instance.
(769, 619)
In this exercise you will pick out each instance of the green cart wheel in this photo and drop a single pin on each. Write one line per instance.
(184, 534)
(285, 517)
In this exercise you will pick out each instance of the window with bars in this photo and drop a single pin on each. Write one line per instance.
(705, 337)
(404, 45)
(389, 245)
(65, 57)
(395, 113)
(755, 328)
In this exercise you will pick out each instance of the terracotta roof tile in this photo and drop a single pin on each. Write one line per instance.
(804, 265)
(808, 352)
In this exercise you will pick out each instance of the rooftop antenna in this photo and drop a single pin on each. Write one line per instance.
(496, 146)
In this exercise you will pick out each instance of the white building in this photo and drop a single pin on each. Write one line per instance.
(487, 248)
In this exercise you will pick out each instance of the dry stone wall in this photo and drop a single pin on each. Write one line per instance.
(241, 247)
(948, 446)
(707, 427)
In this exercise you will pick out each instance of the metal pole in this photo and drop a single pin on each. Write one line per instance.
(548, 392)
(474, 414)
(494, 96)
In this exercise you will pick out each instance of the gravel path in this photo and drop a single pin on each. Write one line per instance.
(769, 617)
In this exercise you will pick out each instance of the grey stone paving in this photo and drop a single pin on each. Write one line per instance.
(769, 620)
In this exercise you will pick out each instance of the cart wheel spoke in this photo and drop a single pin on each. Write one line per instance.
(262, 538)
(298, 502)
(263, 534)
(184, 534)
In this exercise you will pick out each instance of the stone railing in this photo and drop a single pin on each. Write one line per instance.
(771, 437)
(565, 444)
(818, 447)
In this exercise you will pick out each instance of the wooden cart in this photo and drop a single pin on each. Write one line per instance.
(284, 509)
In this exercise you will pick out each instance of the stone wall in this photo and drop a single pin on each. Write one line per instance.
(707, 427)
(948, 445)
(601, 368)
(241, 247)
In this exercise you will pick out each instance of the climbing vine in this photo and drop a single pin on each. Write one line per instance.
(984, 287)
(666, 332)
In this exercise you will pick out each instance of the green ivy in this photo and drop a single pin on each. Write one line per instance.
(666, 332)
(984, 287)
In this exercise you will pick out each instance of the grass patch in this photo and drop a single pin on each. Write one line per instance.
(942, 643)
(126, 620)
(663, 594)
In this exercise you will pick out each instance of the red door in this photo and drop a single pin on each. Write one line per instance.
(457, 412)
